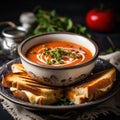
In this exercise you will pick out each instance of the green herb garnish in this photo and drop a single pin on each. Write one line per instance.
(58, 54)
(109, 50)
(49, 21)
(64, 101)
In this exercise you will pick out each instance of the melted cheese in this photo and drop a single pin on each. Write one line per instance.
(13, 89)
(32, 97)
(106, 88)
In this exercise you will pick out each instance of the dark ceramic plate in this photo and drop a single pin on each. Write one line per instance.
(100, 65)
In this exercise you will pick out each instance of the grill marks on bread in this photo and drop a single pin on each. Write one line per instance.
(25, 88)
(94, 87)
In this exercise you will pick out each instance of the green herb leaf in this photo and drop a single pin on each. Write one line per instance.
(64, 101)
(49, 21)
(70, 24)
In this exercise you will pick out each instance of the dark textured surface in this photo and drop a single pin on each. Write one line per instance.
(75, 9)
(4, 115)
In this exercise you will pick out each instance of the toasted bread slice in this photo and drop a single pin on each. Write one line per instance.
(16, 68)
(9, 79)
(95, 86)
(28, 89)
(22, 81)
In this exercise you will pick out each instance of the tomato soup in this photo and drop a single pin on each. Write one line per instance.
(58, 53)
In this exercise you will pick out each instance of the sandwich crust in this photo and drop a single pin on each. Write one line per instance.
(16, 68)
(93, 88)
(27, 89)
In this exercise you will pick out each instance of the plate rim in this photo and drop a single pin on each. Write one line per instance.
(54, 107)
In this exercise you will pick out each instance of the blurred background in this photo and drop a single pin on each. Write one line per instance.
(74, 9)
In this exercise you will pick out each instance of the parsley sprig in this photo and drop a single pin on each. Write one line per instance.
(49, 21)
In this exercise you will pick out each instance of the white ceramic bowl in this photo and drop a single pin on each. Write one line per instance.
(58, 75)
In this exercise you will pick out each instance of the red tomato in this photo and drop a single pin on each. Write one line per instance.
(101, 21)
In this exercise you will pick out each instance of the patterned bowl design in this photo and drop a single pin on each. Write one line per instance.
(58, 75)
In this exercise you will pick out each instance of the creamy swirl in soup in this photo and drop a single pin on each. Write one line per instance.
(58, 53)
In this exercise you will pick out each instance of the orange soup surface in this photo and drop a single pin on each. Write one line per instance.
(58, 53)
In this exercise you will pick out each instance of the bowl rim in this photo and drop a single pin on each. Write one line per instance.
(57, 67)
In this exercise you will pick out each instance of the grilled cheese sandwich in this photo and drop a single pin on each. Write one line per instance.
(94, 87)
(25, 88)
